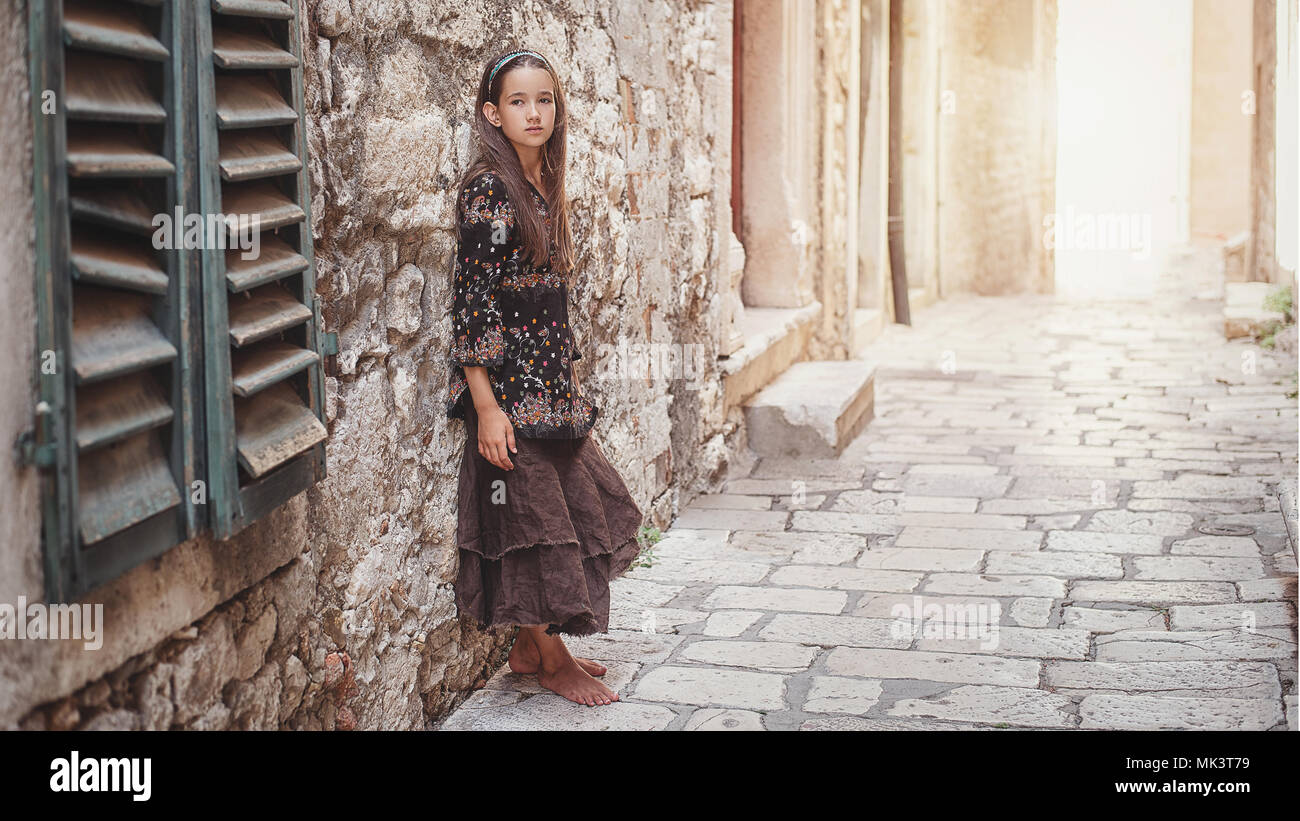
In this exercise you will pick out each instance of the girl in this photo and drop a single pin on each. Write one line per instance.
(544, 521)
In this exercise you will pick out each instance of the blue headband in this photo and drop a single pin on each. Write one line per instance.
(512, 55)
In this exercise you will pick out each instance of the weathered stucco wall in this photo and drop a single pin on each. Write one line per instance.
(337, 610)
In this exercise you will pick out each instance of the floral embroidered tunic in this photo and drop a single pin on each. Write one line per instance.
(513, 318)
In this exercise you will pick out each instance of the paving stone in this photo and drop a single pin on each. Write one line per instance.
(1230, 616)
(954, 469)
(1185, 679)
(1032, 642)
(1060, 521)
(837, 549)
(730, 623)
(1192, 486)
(1092, 489)
(973, 521)
(707, 688)
(1197, 645)
(786, 485)
(830, 694)
(623, 645)
(859, 724)
(809, 470)
(1031, 612)
(938, 504)
(1085, 541)
(968, 539)
(987, 704)
(1154, 593)
(1216, 546)
(1075, 565)
(791, 544)
(830, 631)
(700, 571)
(969, 584)
(491, 698)
(1267, 589)
(712, 718)
(1039, 507)
(729, 501)
(761, 655)
(834, 522)
(920, 558)
(959, 668)
(891, 605)
(549, 711)
(642, 593)
(1097, 620)
(845, 578)
(868, 501)
(955, 484)
(1197, 568)
(1127, 521)
(703, 519)
(1142, 712)
(786, 599)
(652, 619)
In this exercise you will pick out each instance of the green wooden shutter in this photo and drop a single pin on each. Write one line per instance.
(115, 428)
(263, 376)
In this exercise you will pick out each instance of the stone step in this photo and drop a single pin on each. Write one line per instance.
(813, 409)
(1243, 309)
(774, 338)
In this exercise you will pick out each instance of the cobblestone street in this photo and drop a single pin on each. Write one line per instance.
(1110, 485)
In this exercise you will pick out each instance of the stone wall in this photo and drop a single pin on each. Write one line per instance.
(337, 610)
(995, 157)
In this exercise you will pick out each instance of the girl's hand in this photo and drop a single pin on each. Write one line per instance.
(495, 436)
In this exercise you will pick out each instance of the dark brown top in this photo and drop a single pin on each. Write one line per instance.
(512, 318)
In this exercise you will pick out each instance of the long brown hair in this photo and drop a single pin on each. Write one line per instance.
(497, 154)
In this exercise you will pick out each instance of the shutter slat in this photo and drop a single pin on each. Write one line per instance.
(250, 102)
(276, 261)
(276, 9)
(109, 88)
(256, 368)
(115, 207)
(123, 484)
(273, 427)
(264, 313)
(264, 202)
(91, 25)
(112, 334)
(249, 155)
(248, 49)
(111, 411)
(100, 260)
(113, 152)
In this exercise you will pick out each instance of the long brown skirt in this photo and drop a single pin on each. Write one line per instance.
(539, 544)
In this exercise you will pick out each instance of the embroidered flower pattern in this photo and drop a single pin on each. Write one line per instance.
(512, 318)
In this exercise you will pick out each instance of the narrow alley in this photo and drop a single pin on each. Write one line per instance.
(1105, 479)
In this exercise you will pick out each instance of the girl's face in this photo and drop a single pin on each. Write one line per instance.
(527, 112)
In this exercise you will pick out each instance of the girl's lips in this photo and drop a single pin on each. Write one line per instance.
(537, 129)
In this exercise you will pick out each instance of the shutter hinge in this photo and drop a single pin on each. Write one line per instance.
(329, 345)
(35, 447)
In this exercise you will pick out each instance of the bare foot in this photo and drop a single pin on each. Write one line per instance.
(572, 682)
(525, 658)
